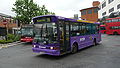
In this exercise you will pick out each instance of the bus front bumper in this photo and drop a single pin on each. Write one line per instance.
(46, 51)
(26, 40)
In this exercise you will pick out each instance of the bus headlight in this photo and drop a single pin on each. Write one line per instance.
(54, 48)
(34, 46)
(51, 47)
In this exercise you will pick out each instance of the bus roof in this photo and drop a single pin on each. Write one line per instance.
(85, 21)
(66, 19)
(42, 16)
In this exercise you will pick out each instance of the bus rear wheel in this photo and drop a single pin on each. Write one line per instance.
(74, 48)
(115, 33)
(105, 32)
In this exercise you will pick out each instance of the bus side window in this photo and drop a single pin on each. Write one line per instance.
(88, 28)
(93, 29)
(83, 29)
(80, 28)
(75, 29)
(98, 28)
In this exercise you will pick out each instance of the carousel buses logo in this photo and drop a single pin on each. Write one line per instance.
(82, 39)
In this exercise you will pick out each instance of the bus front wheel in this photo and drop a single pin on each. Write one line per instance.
(74, 48)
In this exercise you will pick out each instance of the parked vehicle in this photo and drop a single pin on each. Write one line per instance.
(102, 29)
(27, 33)
(113, 25)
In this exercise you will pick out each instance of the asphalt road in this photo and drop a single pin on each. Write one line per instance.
(105, 55)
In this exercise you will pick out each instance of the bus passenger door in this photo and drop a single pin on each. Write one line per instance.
(64, 37)
(67, 36)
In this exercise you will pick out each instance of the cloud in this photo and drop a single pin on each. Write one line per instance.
(65, 8)
(6, 7)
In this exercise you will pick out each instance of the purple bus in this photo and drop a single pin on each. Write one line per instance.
(56, 35)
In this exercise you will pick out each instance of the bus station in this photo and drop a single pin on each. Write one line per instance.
(60, 34)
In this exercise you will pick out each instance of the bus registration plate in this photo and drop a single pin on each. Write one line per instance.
(42, 52)
(41, 47)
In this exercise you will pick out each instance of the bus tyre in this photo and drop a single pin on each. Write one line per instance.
(74, 48)
(115, 33)
(105, 32)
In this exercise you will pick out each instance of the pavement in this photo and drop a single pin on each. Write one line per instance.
(105, 55)
(10, 44)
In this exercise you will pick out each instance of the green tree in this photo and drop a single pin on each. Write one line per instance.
(26, 9)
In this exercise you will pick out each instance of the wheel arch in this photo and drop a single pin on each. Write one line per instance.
(75, 43)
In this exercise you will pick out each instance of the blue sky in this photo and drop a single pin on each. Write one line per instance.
(65, 8)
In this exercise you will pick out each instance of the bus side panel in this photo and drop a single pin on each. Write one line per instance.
(97, 37)
(112, 24)
(112, 31)
(103, 31)
(84, 41)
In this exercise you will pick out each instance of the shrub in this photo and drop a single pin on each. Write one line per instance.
(9, 41)
(17, 38)
(2, 41)
(6, 41)
(10, 36)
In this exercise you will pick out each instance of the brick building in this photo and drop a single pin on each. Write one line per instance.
(7, 21)
(90, 14)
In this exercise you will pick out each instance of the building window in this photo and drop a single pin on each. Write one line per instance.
(104, 4)
(90, 11)
(109, 1)
(83, 12)
(96, 10)
(99, 8)
(103, 13)
(118, 6)
(111, 10)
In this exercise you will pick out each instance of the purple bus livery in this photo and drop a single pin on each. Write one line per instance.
(55, 35)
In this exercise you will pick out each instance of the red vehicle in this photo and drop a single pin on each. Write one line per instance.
(102, 29)
(27, 33)
(113, 25)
